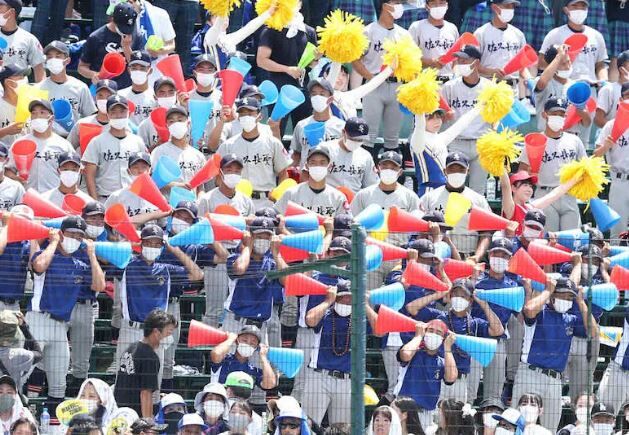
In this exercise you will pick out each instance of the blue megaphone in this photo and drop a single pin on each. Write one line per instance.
(615, 250)
(200, 233)
(314, 133)
(391, 295)
(269, 90)
(621, 259)
(290, 98)
(302, 222)
(311, 241)
(373, 257)
(511, 298)
(517, 115)
(481, 349)
(604, 295)
(371, 218)
(178, 194)
(442, 250)
(3, 44)
(287, 361)
(63, 114)
(166, 171)
(237, 222)
(240, 65)
(116, 253)
(604, 215)
(579, 93)
(54, 223)
(200, 111)
(540, 286)
(572, 239)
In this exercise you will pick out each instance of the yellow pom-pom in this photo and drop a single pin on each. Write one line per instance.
(495, 101)
(220, 8)
(282, 16)
(408, 55)
(420, 95)
(342, 39)
(591, 172)
(497, 150)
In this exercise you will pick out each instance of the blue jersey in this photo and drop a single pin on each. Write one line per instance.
(203, 256)
(144, 287)
(332, 343)
(428, 171)
(486, 282)
(621, 355)
(596, 311)
(420, 378)
(547, 339)
(14, 264)
(251, 294)
(57, 289)
(231, 364)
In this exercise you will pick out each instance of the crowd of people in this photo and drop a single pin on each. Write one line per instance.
(157, 191)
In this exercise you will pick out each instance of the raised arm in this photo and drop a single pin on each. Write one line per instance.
(452, 132)
(495, 327)
(98, 276)
(554, 194)
(269, 380)
(217, 355)
(508, 204)
(408, 351)
(314, 316)
(43, 260)
(242, 262)
(418, 138)
(534, 305)
(194, 272)
(370, 86)
(451, 372)
(233, 39)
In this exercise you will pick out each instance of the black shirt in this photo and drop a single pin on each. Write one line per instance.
(138, 370)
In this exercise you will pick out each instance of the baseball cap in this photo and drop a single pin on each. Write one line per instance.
(391, 156)
(192, 420)
(600, 408)
(138, 157)
(228, 159)
(357, 128)
(41, 103)
(152, 231)
(492, 402)
(8, 380)
(512, 416)
(68, 157)
(117, 100)
(555, 104)
(61, 47)
(4, 151)
(522, 176)
(622, 58)
(551, 53)
(263, 225)
(250, 91)
(318, 150)
(10, 71)
(457, 158)
(437, 217)
(203, 58)
(595, 234)
(321, 82)
(140, 57)
(267, 212)
(468, 52)
(343, 225)
(177, 109)
(251, 330)
(592, 251)
(424, 248)
(501, 244)
(145, 425)
(506, 2)
(10, 333)
(343, 287)
(188, 206)
(239, 379)
(165, 80)
(535, 218)
(341, 243)
(124, 17)
(565, 285)
(107, 84)
(74, 224)
(569, 2)
(465, 284)
(248, 103)
(93, 208)
(15, 4)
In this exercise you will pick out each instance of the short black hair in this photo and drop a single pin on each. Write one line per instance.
(158, 319)
(242, 393)
(21, 421)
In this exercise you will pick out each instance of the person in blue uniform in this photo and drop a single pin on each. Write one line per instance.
(423, 369)
(60, 274)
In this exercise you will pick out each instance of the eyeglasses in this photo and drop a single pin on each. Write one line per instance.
(289, 426)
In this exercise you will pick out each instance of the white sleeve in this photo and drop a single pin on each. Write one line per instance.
(235, 38)
(464, 121)
(418, 138)
(370, 86)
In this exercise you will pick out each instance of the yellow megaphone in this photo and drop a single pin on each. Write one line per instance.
(382, 232)
(26, 94)
(456, 207)
(277, 193)
(245, 187)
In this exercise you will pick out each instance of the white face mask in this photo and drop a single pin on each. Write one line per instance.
(179, 225)
(231, 180)
(204, 79)
(352, 145)
(3, 20)
(498, 265)
(489, 421)
(588, 272)
(245, 350)
(506, 15)
(317, 173)
(319, 103)
(70, 245)
(167, 102)
(578, 16)
(555, 123)
(92, 405)
(398, 11)
(562, 306)
(459, 304)
(39, 125)
(530, 413)
(582, 414)
(55, 66)
(119, 123)
(462, 70)
(213, 408)
(603, 428)
(456, 179)
(139, 77)
(564, 73)
(389, 176)
(151, 253)
(2, 165)
(432, 340)
(94, 231)
(531, 234)
(178, 130)
(503, 431)
(343, 310)
(69, 178)
(248, 123)
(261, 246)
(101, 105)
(438, 12)
(238, 422)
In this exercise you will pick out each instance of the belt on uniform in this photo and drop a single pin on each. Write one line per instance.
(257, 323)
(8, 301)
(548, 372)
(392, 80)
(137, 325)
(334, 373)
(53, 317)
(621, 176)
(86, 301)
(462, 375)
(259, 194)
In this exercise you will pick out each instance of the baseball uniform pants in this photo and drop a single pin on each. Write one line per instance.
(579, 368)
(619, 201)
(515, 327)
(562, 214)
(169, 351)
(116, 314)
(477, 176)
(274, 329)
(614, 387)
(391, 366)
(379, 106)
(327, 393)
(304, 341)
(548, 387)
(215, 281)
(81, 337)
(457, 391)
(13, 307)
(426, 418)
(493, 375)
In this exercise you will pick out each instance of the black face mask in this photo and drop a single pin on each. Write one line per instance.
(172, 420)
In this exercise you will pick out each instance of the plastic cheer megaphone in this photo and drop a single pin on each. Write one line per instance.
(226, 209)
(485, 220)
(391, 296)
(87, 132)
(540, 286)
(544, 254)
(401, 221)
(116, 253)
(522, 264)
(144, 187)
(511, 298)
(166, 171)
(535, 146)
(24, 151)
(223, 230)
(526, 57)
(621, 259)
(41, 206)
(391, 321)
(287, 361)
(207, 172)
(620, 278)
(314, 133)
(281, 189)
(311, 241)
(62, 110)
(25, 94)
(373, 257)
(54, 223)
(414, 274)
(200, 111)
(158, 119)
(270, 92)
(299, 284)
(621, 122)
(73, 204)
(292, 255)
(170, 66)
(290, 98)
(604, 215)
(579, 93)
(457, 269)
(575, 43)
(178, 194)
(481, 349)
(200, 233)
(116, 217)
(240, 65)
(464, 39)
(371, 218)
(572, 116)
(231, 82)
(572, 239)
(456, 207)
(293, 209)
(309, 54)
(200, 334)
(302, 222)
(20, 228)
(518, 115)
(604, 295)
(389, 252)
(113, 65)
(615, 250)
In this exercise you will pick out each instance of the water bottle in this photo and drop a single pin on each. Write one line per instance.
(491, 189)
(408, 182)
(44, 422)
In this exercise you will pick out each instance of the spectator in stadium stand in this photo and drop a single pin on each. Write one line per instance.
(11, 408)
(83, 424)
(191, 424)
(60, 273)
(11, 191)
(488, 408)
(69, 168)
(240, 417)
(315, 194)
(138, 376)
(613, 388)
(43, 174)
(146, 426)
(352, 166)
(19, 351)
(10, 79)
(94, 215)
(204, 73)
(24, 426)
(384, 421)
(99, 399)
(531, 407)
(408, 411)
(104, 89)
(212, 404)
(107, 154)
(438, 231)
(291, 421)
(239, 387)
(511, 421)
(456, 417)
(171, 410)
(166, 96)
(140, 93)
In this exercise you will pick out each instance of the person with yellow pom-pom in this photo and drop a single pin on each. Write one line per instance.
(461, 94)
(380, 107)
(561, 148)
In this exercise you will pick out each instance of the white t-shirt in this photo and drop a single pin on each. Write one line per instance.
(56, 196)
(376, 34)
(23, 50)
(462, 98)
(618, 155)
(498, 46)
(435, 41)
(190, 159)
(208, 201)
(354, 170)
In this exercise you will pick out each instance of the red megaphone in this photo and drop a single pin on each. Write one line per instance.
(535, 145)
(170, 66)
(294, 209)
(222, 230)
(144, 187)
(389, 252)
(349, 194)
(226, 209)
(621, 123)
(620, 277)
(24, 151)
(231, 83)
(575, 43)
(522, 264)
(573, 118)
(544, 254)
(73, 204)
(416, 275)
(443, 104)
(401, 221)
(524, 58)
(464, 39)
(390, 320)
(293, 255)
(299, 284)
(200, 334)
(87, 132)
(484, 220)
(207, 172)
(20, 228)
(190, 85)
(116, 217)
(41, 206)
(158, 118)
(113, 65)
(457, 269)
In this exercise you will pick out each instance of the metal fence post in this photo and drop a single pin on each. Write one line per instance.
(359, 328)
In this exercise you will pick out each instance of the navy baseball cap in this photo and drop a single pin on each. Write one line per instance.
(357, 128)
(152, 231)
(592, 251)
(391, 156)
(124, 17)
(188, 206)
(4, 151)
(437, 217)
(569, 2)
(163, 81)
(203, 58)
(107, 84)
(535, 218)
(74, 224)
(424, 247)
(343, 225)
(321, 82)
(555, 104)
(267, 212)
(565, 285)
(138, 157)
(506, 2)
(177, 109)
(343, 287)
(600, 408)
(248, 103)
(41, 103)
(68, 157)
(263, 225)
(250, 91)
(318, 150)
(10, 71)
(228, 159)
(117, 100)
(61, 47)
(140, 57)
(93, 208)
(623, 58)
(501, 244)
(341, 243)
(457, 158)
(468, 52)
(464, 283)
(15, 4)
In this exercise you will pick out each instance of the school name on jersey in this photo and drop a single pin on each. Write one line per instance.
(74, 102)
(623, 142)
(430, 44)
(12, 52)
(377, 47)
(189, 165)
(457, 103)
(109, 156)
(257, 159)
(143, 110)
(326, 137)
(492, 47)
(589, 49)
(350, 169)
(47, 155)
(6, 204)
(563, 155)
(137, 211)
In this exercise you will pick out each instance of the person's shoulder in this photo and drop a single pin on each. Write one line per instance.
(484, 28)
(98, 33)
(593, 32)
